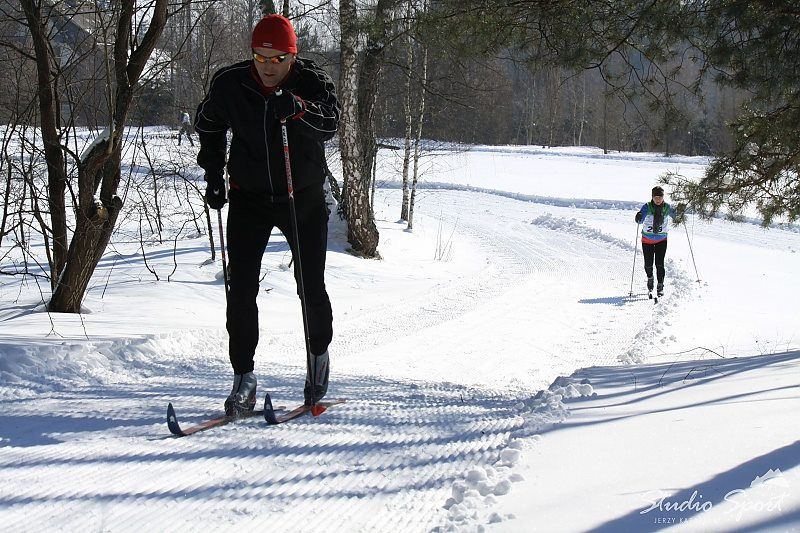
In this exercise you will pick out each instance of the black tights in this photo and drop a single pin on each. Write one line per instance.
(249, 228)
(657, 252)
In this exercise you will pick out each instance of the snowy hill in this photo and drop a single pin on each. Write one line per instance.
(499, 375)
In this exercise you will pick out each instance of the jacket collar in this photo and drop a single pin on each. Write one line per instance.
(252, 81)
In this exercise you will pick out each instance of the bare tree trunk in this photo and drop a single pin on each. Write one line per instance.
(7, 196)
(348, 98)
(583, 109)
(7, 166)
(574, 125)
(251, 11)
(373, 183)
(48, 111)
(368, 86)
(605, 122)
(407, 112)
(418, 138)
(669, 119)
(267, 8)
(554, 100)
(358, 90)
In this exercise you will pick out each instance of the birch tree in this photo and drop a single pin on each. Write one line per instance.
(359, 82)
(418, 137)
(407, 113)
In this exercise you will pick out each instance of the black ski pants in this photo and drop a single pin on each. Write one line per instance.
(657, 252)
(249, 226)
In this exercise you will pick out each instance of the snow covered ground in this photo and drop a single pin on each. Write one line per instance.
(499, 375)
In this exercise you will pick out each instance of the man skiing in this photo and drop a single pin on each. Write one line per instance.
(186, 128)
(655, 219)
(251, 98)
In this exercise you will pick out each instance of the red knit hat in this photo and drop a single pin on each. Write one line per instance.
(276, 32)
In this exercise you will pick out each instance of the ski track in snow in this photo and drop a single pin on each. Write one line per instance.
(108, 450)
(437, 453)
(536, 258)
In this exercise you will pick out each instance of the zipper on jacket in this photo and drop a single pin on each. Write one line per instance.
(266, 144)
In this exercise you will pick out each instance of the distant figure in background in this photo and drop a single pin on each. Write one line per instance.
(186, 127)
(655, 218)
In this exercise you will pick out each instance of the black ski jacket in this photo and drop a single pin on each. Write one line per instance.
(256, 167)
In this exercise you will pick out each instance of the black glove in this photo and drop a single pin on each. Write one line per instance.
(287, 105)
(638, 217)
(680, 215)
(215, 193)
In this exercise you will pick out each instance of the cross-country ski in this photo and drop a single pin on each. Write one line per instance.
(275, 416)
(221, 420)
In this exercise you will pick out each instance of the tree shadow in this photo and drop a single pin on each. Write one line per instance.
(616, 300)
(365, 448)
(631, 385)
(634, 384)
(708, 494)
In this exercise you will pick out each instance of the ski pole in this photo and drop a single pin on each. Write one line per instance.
(635, 249)
(224, 257)
(310, 359)
(692, 252)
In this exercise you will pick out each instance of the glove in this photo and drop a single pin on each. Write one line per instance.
(638, 218)
(215, 193)
(680, 215)
(287, 105)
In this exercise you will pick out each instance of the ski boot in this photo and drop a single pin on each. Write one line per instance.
(660, 289)
(243, 395)
(320, 380)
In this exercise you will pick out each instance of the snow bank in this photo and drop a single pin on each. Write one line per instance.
(702, 445)
(56, 363)
(576, 227)
(474, 498)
